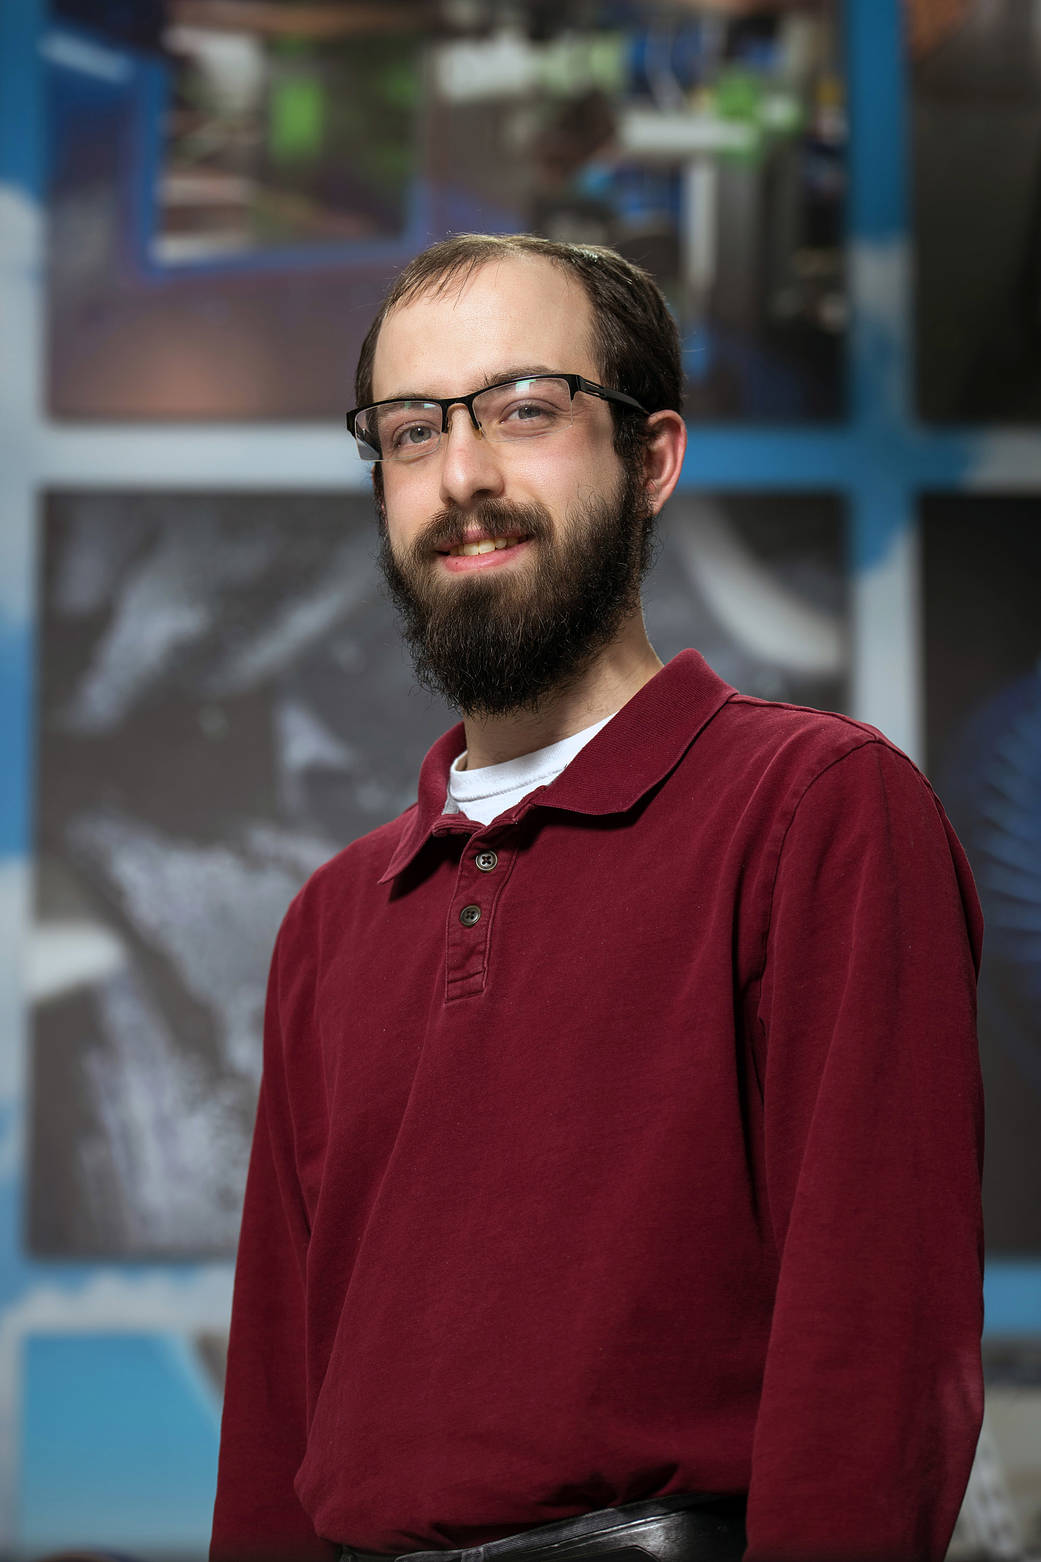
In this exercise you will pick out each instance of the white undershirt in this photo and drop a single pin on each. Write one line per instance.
(485, 793)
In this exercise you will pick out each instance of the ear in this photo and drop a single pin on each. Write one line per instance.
(663, 456)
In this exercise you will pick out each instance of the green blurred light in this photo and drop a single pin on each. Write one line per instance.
(296, 128)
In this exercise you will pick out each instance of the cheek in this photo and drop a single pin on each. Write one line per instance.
(404, 507)
(556, 478)
(598, 478)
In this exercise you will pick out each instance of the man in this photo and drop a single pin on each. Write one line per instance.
(617, 1148)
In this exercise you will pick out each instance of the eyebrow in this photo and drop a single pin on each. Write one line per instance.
(495, 377)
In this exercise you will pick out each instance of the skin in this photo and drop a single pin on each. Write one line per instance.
(513, 316)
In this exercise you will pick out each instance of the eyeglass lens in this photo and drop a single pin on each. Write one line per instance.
(521, 409)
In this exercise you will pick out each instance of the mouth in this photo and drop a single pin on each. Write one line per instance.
(479, 553)
(469, 550)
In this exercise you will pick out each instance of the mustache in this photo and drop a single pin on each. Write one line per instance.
(447, 527)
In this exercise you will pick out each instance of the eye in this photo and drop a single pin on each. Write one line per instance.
(526, 411)
(406, 432)
(413, 434)
(530, 415)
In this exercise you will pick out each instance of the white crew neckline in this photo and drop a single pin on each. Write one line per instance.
(472, 792)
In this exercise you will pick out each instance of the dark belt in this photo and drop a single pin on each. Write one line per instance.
(689, 1528)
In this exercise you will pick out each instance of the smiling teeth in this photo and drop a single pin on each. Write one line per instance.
(466, 550)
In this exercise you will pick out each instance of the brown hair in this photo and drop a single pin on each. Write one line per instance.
(635, 341)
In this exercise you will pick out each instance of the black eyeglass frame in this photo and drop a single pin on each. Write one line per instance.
(574, 383)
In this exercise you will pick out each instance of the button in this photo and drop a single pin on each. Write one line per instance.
(486, 861)
(469, 915)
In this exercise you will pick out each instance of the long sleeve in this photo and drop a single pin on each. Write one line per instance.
(257, 1514)
(872, 1392)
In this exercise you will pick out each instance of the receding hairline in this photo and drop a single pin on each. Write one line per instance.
(459, 273)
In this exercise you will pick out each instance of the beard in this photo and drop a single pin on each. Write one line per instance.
(502, 640)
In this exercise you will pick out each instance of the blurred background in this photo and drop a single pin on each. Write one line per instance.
(202, 695)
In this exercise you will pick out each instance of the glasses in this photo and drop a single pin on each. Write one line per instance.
(508, 413)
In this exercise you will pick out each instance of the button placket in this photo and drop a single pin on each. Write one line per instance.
(469, 923)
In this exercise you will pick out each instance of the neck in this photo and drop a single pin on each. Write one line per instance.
(607, 684)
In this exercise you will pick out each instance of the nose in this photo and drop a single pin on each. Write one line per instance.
(470, 469)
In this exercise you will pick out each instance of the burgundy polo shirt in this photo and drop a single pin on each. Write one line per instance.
(626, 1146)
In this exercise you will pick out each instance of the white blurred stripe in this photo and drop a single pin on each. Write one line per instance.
(70, 52)
(65, 955)
(762, 615)
(251, 456)
(886, 613)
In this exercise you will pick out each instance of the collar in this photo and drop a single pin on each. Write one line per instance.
(636, 750)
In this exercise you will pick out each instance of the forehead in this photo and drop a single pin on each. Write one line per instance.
(511, 315)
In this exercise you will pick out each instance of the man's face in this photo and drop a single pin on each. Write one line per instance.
(499, 630)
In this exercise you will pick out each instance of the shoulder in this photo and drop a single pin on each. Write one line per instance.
(789, 750)
(840, 794)
(801, 780)
(776, 729)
